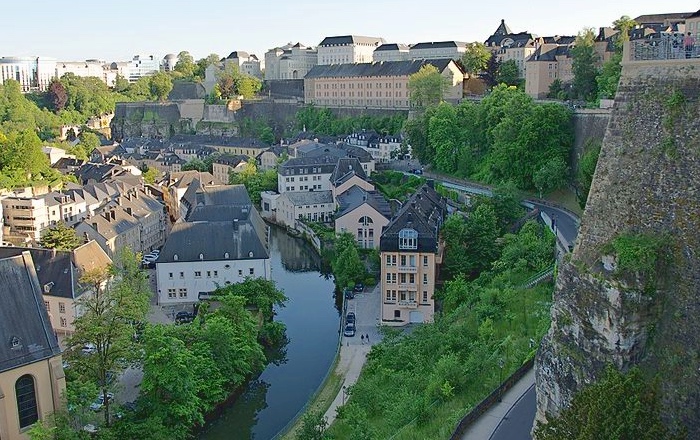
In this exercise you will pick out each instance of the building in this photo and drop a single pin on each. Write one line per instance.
(364, 214)
(437, 50)
(508, 45)
(268, 159)
(551, 61)
(224, 165)
(222, 240)
(391, 52)
(291, 61)
(34, 74)
(246, 63)
(32, 382)
(199, 146)
(382, 85)
(55, 154)
(347, 49)
(383, 148)
(140, 66)
(59, 274)
(410, 254)
(316, 206)
(88, 68)
(169, 62)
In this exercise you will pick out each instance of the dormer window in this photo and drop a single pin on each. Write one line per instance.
(175, 257)
(14, 342)
(408, 239)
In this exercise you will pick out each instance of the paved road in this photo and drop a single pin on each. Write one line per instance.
(521, 415)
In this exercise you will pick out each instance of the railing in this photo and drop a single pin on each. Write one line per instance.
(539, 277)
(667, 47)
(408, 269)
(411, 304)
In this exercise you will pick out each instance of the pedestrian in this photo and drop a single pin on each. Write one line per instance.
(367, 337)
(362, 337)
(689, 44)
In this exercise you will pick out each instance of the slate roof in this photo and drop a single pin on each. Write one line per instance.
(438, 45)
(183, 179)
(312, 149)
(99, 172)
(186, 90)
(647, 19)
(345, 169)
(350, 39)
(299, 198)
(376, 69)
(23, 317)
(238, 54)
(325, 162)
(214, 141)
(67, 164)
(549, 52)
(424, 212)
(231, 160)
(356, 197)
(391, 46)
(222, 195)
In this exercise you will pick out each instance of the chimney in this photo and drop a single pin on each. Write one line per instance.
(113, 214)
(128, 210)
(94, 226)
(53, 253)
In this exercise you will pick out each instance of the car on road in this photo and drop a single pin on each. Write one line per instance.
(359, 287)
(349, 330)
(89, 348)
(350, 318)
(184, 317)
(417, 171)
(349, 294)
(100, 402)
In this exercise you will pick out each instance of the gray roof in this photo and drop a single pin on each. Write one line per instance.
(438, 45)
(325, 162)
(356, 197)
(391, 46)
(221, 195)
(230, 159)
(377, 69)
(310, 197)
(345, 169)
(238, 54)
(216, 141)
(23, 317)
(351, 39)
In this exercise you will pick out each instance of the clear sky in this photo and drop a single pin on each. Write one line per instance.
(116, 30)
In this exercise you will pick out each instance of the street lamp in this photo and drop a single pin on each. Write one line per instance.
(500, 370)
(345, 393)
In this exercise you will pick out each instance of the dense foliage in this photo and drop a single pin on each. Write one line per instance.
(624, 406)
(505, 137)
(396, 185)
(255, 181)
(60, 237)
(347, 265)
(323, 121)
(427, 86)
(586, 169)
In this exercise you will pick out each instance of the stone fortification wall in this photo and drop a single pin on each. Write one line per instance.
(589, 130)
(647, 182)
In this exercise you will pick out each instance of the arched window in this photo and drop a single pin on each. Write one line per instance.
(365, 221)
(408, 239)
(26, 401)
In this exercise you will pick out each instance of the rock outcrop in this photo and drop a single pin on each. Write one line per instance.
(647, 182)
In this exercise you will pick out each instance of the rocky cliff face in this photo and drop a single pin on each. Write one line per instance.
(647, 182)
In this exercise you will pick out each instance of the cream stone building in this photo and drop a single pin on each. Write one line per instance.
(291, 61)
(247, 63)
(391, 52)
(224, 165)
(382, 85)
(347, 49)
(32, 382)
(410, 254)
(548, 63)
(437, 50)
(364, 214)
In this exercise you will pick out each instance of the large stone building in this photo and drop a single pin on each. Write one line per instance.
(34, 74)
(382, 85)
(391, 52)
(246, 62)
(32, 382)
(364, 214)
(437, 50)
(88, 68)
(291, 61)
(410, 253)
(549, 62)
(347, 49)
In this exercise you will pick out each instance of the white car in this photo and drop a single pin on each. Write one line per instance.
(89, 348)
(100, 401)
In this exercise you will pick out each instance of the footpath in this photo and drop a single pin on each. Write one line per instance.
(354, 350)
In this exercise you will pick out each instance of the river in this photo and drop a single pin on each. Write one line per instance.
(312, 321)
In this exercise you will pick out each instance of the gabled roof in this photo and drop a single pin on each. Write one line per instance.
(502, 29)
(231, 160)
(183, 179)
(350, 39)
(300, 198)
(221, 195)
(26, 335)
(345, 168)
(355, 197)
(376, 69)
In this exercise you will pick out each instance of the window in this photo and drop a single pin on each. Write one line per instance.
(388, 278)
(252, 270)
(182, 274)
(64, 322)
(425, 278)
(402, 278)
(208, 274)
(171, 293)
(47, 305)
(26, 401)
(240, 272)
(425, 261)
(408, 239)
(216, 273)
(412, 260)
(411, 278)
(182, 292)
(61, 307)
(425, 296)
(170, 275)
(197, 274)
(397, 314)
(402, 295)
(403, 260)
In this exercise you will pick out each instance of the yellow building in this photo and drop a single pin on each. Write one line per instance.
(32, 381)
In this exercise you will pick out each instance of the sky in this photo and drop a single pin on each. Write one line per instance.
(74, 30)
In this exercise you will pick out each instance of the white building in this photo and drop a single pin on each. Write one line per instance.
(437, 50)
(32, 73)
(88, 68)
(390, 52)
(247, 63)
(291, 61)
(142, 65)
(347, 49)
(380, 147)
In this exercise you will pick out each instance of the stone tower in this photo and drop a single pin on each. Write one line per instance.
(647, 182)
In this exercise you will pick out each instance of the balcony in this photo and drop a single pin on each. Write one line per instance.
(408, 269)
(409, 304)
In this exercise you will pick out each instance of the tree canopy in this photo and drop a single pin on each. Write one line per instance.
(60, 237)
(231, 82)
(427, 86)
(584, 62)
(476, 58)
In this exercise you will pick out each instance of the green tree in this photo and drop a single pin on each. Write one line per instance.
(609, 77)
(60, 237)
(623, 24)
(185, 65)
(248, 86)
(227, 80)
(586, 169)
(121, 84)
(150, 175)
(584, 66)
(195, 164)
(313, 427)
(255, 181)
(118, 301)
(427, 86)
(161, 84)
(444, 135)
(88, 141)
(347, 265)
(470, 244)
(21, 152)
(556, 88)
(202, 64)
(509, 74)
(259, 293)
(618, 406)
(490, 74)
(475, 58)
(551, 175)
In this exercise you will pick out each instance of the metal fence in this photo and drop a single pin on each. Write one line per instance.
(664, 47)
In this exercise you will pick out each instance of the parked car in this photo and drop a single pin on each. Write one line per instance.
(359, 287)
(89, 348)
(417, 171)
(184, 317)
(100, 402)
(349, 294)
(350, 318)
(349, 330)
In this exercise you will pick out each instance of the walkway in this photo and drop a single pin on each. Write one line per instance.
(353, 351)
(494, 423)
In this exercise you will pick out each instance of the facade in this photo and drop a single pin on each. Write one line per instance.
(88, 68)
(364, 214)
(291, 61)
(410, 253)
(437, 50)
(508, 45)
(32, 382)
(306, 174)
(32, 73)
(316, 206)
(140, 66)
(268, 159)
(391, 52)
(381, 85)
(221, 240)
(224, 165)
(548, 63)
(380, 147)
(247, 63)
(347, 49)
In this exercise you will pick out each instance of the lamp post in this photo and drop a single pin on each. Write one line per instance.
(345, 393)
(500, 370)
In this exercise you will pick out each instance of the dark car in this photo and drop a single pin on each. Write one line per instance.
(417, 171)
(349, 330)
(349, 294)
(184, 317)
(359, 287)
(350, 318)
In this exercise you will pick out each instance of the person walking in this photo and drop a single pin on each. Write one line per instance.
(689, 44)
(367, 337)
(362, 338)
